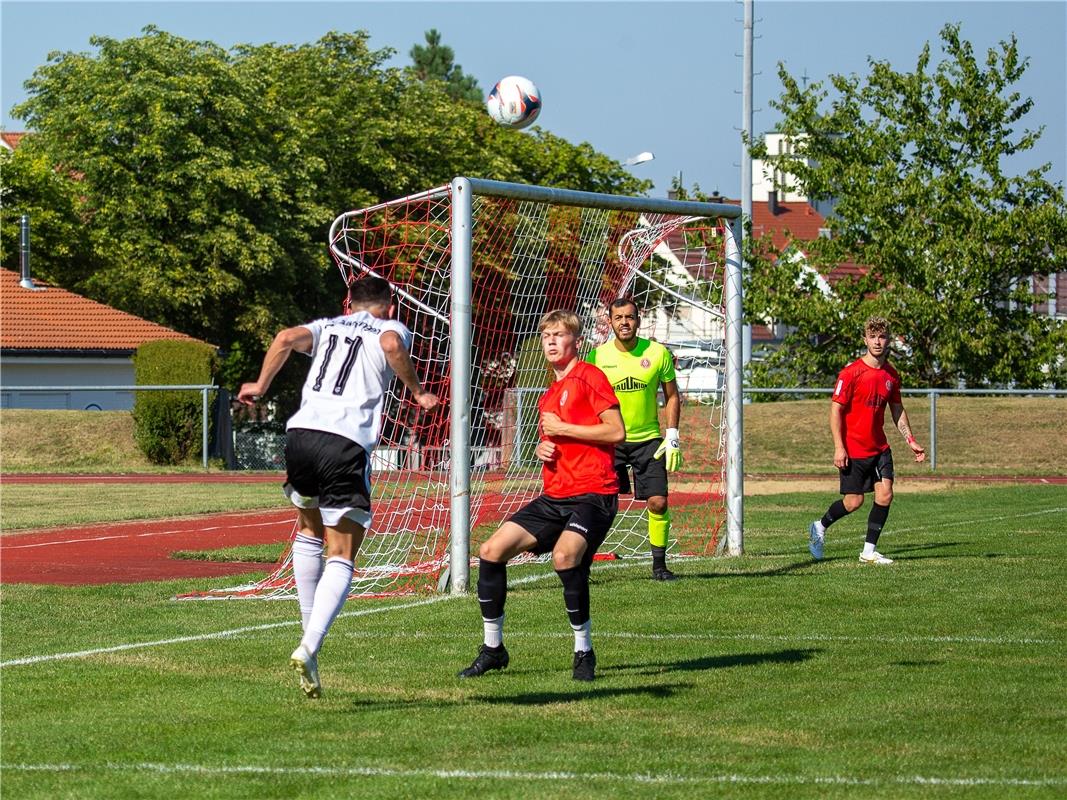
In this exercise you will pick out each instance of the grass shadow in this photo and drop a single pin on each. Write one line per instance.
(792, 656)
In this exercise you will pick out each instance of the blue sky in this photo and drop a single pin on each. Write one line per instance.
(624, 76)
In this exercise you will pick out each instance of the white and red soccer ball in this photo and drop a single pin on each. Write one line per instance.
(515, 101)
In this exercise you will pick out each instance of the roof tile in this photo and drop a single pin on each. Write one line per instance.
(50, 318)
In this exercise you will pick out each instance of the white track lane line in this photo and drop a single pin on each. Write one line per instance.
(134, 535)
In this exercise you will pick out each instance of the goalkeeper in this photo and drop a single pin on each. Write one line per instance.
(637, 368)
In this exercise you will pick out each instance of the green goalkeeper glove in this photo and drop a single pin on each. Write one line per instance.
(672, 448)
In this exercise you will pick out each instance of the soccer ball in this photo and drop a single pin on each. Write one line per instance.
(515, 101)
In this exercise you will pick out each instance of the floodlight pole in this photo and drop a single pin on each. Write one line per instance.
(746, 156)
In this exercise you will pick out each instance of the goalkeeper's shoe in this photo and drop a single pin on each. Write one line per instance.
(663, 574)
(307, 667)
(816, 536)
(584, 665)
(874, 558)
(488, 658)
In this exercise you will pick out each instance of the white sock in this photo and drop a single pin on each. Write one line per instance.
(307, 569)
(819, 527)
(582, 640)
(868, 548)
(494, 631)
(330, 596)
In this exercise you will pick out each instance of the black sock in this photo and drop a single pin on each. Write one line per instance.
(492, 588)
(875, 522)
(834, 513)
(575, 594)
(659, 558)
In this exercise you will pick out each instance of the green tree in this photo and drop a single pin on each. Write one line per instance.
(205, 180)
(59, 243)
(435, 61)
(915, 164)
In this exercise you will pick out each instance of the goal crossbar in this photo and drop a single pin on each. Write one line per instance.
(463, 191)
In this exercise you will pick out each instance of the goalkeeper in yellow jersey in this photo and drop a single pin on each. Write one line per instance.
(637, 368)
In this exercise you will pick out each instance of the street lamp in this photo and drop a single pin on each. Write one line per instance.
(640, 158)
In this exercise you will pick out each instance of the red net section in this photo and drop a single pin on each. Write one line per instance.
(527, 258)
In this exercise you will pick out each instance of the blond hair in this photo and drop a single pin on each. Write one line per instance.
(568, 319)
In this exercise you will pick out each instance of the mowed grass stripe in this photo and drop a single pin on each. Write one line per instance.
(517, 582)
(553, 776)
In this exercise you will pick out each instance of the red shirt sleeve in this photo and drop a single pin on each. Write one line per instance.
(843, 387)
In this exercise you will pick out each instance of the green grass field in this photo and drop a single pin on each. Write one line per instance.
(765, 676)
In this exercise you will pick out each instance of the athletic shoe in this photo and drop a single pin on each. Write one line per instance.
(584, 665)
(663, 574)
(875, 558)
(488, 658)
(307, 667)
(815, 540)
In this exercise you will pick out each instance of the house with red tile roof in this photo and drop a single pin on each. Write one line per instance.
(52, 337)
(9, 140)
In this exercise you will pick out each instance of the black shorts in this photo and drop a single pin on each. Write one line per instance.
(861, 474)
(650, 474)
(329, 469)
(588, 515)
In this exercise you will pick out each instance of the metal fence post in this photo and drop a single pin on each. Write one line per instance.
(933, 431)
(203, 424)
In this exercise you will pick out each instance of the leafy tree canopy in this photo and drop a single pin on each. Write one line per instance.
(194, 186)
(435, 61)
(915, 163)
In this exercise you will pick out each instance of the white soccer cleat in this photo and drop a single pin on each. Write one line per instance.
(307, 667)
(874, 558)
(816, 536)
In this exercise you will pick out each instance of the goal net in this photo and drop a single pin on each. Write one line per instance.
(526, 257)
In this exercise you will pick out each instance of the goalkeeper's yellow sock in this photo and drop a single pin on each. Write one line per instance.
(659, 528)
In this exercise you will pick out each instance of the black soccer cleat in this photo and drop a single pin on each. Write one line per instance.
(663, 574)
(488, 658)
(584, 665)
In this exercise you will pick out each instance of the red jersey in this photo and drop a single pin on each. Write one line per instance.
(865, 391)
(579, 398)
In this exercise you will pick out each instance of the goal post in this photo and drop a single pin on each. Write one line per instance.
(474, 265)
(463, 191)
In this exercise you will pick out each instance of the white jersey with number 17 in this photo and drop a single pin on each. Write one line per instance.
(345, 388)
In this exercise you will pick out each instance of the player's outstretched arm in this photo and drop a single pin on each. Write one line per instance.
(298, 338)
(400, 360)
(900, 419)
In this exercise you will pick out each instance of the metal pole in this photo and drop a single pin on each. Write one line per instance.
(462, 323)
(933, 431)
(734, 458)
(746, 156)
(203, 424)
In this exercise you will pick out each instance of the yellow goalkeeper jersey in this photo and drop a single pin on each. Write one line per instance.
(635, 376)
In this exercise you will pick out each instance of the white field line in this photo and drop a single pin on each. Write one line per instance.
(519, 582)
(134, 535)
(665, 778)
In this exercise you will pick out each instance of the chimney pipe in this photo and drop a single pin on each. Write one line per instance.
(772, 202)
(24, 252)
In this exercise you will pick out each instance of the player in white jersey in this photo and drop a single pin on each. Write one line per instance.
(328, 445)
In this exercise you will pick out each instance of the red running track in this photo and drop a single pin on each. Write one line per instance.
(135, 552)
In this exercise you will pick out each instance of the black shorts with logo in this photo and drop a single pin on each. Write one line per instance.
(650, 473)
(861, 474)
(329, 467)
(588, 515)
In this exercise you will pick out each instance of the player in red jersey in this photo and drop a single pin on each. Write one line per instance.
(580, 426)
(861, 452)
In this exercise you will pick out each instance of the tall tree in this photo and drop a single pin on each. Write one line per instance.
(197, 185)
(435, 61)
(916, 163)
